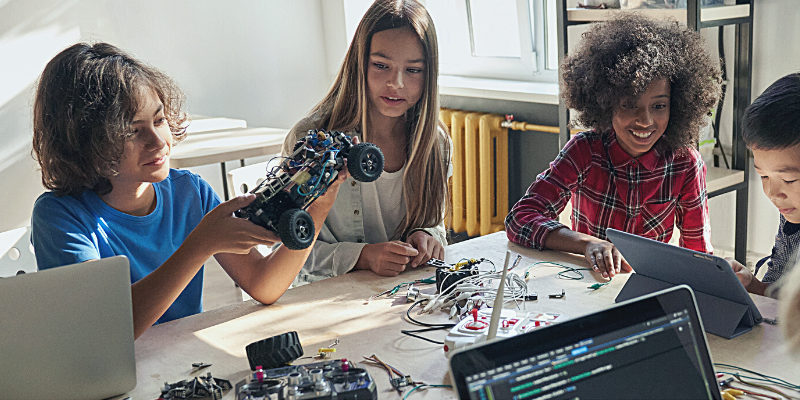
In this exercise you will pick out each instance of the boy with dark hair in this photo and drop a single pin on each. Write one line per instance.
(772, 132)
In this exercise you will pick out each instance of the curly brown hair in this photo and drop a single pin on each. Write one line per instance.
(622, 56)
(85, 101)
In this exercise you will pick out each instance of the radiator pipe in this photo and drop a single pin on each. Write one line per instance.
(524, 126)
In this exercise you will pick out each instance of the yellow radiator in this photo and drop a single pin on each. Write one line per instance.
(480, 171)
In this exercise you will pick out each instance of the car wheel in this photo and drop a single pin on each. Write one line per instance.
(296, 229)
(365, 162)
(275, 351)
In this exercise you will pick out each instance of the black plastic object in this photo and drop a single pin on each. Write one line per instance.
(446, 278)
(365, 162)
(275, 351)
(296, 229)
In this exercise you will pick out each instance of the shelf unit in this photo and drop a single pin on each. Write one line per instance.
(740, 14)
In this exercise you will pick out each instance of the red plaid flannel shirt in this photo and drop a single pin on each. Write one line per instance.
(645, 196)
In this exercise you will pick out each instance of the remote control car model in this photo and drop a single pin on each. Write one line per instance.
(289, 188)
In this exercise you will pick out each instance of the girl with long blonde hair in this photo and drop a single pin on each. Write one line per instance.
(386, 93)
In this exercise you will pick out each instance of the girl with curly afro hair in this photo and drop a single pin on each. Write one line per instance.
(642, 89)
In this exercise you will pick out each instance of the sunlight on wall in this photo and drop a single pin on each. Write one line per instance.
(353, 11)
(12, 154)
(25, 56)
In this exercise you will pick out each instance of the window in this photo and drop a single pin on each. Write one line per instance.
(503, 39)
(500, 39)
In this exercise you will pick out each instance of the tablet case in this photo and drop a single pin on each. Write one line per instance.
(721, 317)
(725, 306)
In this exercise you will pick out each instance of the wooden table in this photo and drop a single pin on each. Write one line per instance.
(210, 147)
(335, 308)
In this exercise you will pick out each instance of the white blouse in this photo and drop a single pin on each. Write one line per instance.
(363, 213)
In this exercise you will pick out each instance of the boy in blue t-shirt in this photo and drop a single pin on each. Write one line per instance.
(103, 130)
(772, 131)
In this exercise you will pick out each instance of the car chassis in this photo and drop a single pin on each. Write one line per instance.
(293, 185)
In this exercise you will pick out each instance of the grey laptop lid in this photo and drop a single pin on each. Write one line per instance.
(652, 347)
(726, 307)
(67, 332)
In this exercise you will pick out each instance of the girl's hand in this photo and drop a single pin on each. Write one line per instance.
(604, 258)
(427, 246)
(386, 259)
(221, 232)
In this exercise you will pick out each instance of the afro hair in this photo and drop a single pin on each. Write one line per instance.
(621, 57)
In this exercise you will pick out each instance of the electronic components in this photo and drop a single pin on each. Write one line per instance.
(331, 379)
(197, 388)
(474, 328)
(446, 277)
(289, 188)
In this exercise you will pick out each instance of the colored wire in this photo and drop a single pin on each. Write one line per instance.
(745, 391)
(761, 377)
(565, 274)
(428, 327)
(389, 369)
(424, 386)
(763, 387)
(412, 320)
(392, 291)
(413, 333)
(578, 275)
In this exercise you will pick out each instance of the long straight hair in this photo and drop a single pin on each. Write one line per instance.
(345, 108)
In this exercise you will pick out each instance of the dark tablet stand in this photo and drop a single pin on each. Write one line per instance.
(719, 316)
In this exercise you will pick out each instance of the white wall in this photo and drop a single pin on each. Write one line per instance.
(268, 62)
(262, 61)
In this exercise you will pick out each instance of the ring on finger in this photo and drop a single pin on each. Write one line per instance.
(600, 255)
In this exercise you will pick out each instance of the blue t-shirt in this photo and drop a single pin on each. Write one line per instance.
(67, 230)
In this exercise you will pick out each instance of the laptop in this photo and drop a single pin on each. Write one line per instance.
(727, 309)
(652, 347)
(68, 332)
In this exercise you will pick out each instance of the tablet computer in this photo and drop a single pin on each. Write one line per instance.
(726, 307)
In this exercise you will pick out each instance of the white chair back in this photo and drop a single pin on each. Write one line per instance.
(16, 253)
(244, 179)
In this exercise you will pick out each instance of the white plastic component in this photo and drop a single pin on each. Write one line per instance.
(512, 323)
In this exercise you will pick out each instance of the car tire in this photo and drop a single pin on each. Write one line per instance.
(365, 162)
(275, 351)
(296, 229)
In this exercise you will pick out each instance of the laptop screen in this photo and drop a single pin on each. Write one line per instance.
(650, 348)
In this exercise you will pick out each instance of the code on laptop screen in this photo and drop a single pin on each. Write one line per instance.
(657, 358)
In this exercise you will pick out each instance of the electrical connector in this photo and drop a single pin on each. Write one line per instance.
(412, 294)
(597, 285)
(401, 383)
